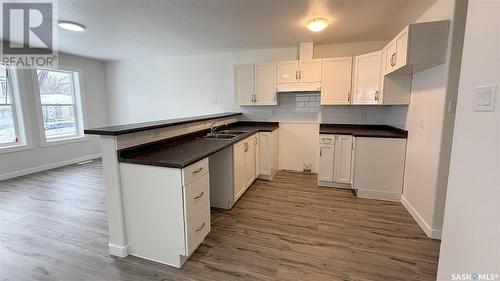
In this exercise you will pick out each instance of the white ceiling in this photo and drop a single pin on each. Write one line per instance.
(125, 29)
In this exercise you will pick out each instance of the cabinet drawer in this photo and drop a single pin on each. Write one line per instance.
(194, 171)
(196, 195)
(197, 227)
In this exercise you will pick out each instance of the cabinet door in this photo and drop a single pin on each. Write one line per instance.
(336, 81)
(250, 160)
(244, 83)
(265, 83)
(257, 155)
(343, 156)
(367, 78)
(265, 165)
(402, 49)
(239, 169)
(310, 71)
(390, 57)
(326, 158)
(287, 71)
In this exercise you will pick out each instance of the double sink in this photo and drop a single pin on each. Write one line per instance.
(224, 135)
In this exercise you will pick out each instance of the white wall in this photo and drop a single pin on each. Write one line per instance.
(471, 234)
(41, 158)
(429, 124)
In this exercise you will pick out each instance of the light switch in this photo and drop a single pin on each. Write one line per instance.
(485, 98)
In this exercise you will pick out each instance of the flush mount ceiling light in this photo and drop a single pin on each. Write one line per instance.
(317, 24)
(72, 26)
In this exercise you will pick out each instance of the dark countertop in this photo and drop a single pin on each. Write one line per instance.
(375, 131)
(185, 150)
(137, 127)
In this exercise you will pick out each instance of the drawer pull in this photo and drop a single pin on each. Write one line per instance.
(200, 228)
(198, 170)
(199, 195)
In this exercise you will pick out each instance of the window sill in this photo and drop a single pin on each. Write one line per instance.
(64, 141)
(15, 148)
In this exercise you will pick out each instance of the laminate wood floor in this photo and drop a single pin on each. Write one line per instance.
(53, 227)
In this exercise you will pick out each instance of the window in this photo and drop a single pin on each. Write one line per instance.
(60, 104)
(11, 130)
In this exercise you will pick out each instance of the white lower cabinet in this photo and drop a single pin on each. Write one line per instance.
(379, 167)
(268, 154)
(244, 165)
(335, 160)
(167, 210)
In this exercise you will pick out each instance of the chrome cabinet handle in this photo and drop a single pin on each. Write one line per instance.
(200, 228)
(246, 146)
(199, 195)
(376, 95)
(255, 98)
(300, 74)
(393, 59)
(198, 170)
(296, 75)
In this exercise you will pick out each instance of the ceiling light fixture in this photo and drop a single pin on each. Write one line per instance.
(317, 24)
(71, 26)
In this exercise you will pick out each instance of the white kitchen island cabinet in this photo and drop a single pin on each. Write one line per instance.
(167, 210)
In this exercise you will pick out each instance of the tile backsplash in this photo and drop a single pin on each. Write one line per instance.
(306, 108)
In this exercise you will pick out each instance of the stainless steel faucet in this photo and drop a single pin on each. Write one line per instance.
(213, 127)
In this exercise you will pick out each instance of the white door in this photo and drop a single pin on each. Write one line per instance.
(402, 48)
(287, 71)
(367, 78)
(336, 81)
(265, 166)
(257, 155)
(240, 172)
(244, 83)
(265, 83)
(309, 71)
(250, 161)
(326, 157)
(390, 57)
(343, 158)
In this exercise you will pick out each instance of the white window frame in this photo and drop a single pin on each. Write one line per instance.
(17, 113)
(78, 105)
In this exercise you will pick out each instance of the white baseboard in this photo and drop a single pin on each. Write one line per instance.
(379, 195)
(47, 167)
(429, 231)
(118, 251)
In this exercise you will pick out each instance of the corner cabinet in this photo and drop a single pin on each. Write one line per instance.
(336, 81)
(255, 84)
(335, 161)
(167, 210)
(367, 80)
(417, 47)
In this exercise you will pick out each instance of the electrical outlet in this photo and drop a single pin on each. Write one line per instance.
(307, 168)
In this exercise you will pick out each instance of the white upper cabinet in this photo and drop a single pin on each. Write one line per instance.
(255, 84)
(287, 71)
(367, 78)
(265, 83)
(336, 81)
(304, 71)
(309, 71)
(244, 84)
(417, 47)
